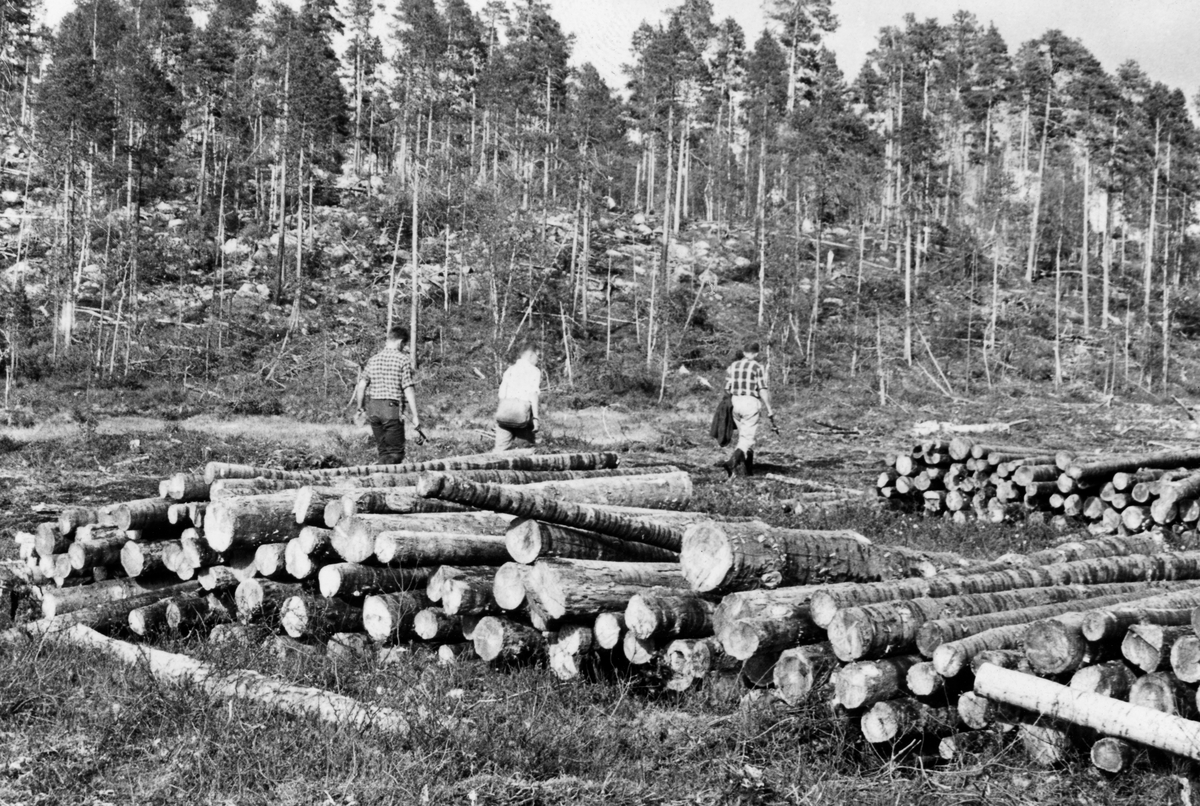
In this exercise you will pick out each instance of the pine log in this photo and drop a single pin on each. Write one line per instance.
(436, 586)
(71, 518)
(1106, 468)
(146, 559)
(155, 617)
(49, 540)
(297, 562)
(470, 597)
(923, 680)
(389, 617)
(251, 521)
(1103, 714)
(1028, 474)
(1172, 608)
(1112, 755)
(145, 513)
(500, 639)
(953, 642)
(1045, 744)
(309, 507)
(862, 684)
(513, 460)
(103, 553)
(568, 648)
(789, 605)
(639, 651)
(1148, 646)
(200, 612)
(270, 562)
(305, 615)
(656, 532)
(1185, 659)
(384, 501)
(453, 653)
(745, 637)
(649, 491)
(1132, 568)
(435, 624)
(978, 712)
(531, 540)
(354, 538)
(1113, 679)
(669, 613)
(1058, 645)
(585, 588)
(436, 548)
(260, 600)
(894, 719)
(609, 630)
(349, 579)
(508, 586)
(966, 743)
(1163, 692)
(759, 671)
(186, 488)
(106, 611)
(219, 577)
(1008, 658)
(883, 629)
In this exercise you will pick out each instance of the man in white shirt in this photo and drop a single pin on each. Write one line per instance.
(517, 418)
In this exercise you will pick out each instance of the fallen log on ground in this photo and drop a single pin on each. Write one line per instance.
(530, 540)
(904, 716)
(354, 538)
(513, 460)
(669, 613)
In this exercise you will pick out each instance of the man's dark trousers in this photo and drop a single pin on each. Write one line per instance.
(388, 428)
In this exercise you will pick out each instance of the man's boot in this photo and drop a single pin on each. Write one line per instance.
(750, 462)
(737, 464)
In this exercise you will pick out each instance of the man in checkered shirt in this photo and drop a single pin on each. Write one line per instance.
(388, 381)
(746, 382)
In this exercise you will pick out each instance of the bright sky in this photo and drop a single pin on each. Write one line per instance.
(1160, 34)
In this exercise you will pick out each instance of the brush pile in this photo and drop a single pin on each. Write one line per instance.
(593, 569)
(1113, 494)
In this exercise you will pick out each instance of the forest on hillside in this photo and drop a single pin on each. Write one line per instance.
(149, 142)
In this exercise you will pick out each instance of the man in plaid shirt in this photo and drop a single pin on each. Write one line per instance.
(388, 380)
(746, 382)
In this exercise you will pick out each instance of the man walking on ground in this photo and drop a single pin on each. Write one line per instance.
(517, 420)
(385, 385)
(746, 382)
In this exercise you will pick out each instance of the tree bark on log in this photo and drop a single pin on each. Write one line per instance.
(530, 540)
(305, 615)
(309, 507)
(48, 540)
(349, 579)
(99, 614)
(1168, 609)
(354, 538)
(862, 684)
(389, 617)
(513, 460)
(435, 624)
(260, 600)
(251, 521)
(1103, 714)
(68, 600)
(144, 513)
(270, 560)
(585, 588)
(201, 613)
(1111, 755)
(746, 637)
(579, 516)
(669, 613)
(439, 580)
(1163, 692)
(500, 639)
(672, 491)
(145, 560)
(384, 501)
(1132, 568)
(883, 629)
(71, 518)
(1111, 679)
(1148, 646)
(153, 618)
(1107, 468)
(244, 685)
(569, 647)
(470, 597)
(104, 553)
(1073, 551)
(904, 716)
(639, 651)
(186, 487)
(437, 548)
(1185, 659)
(508, 585)
(923, 680)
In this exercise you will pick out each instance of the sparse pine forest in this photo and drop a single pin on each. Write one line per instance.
(225, 193)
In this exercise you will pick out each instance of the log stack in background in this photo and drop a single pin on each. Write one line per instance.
(598, 567)
(1113, 494)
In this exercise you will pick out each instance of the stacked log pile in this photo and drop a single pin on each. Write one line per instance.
(572, 561)
(1113, 494)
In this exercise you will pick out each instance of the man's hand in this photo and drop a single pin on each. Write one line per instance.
(774, 425)
(537, 424)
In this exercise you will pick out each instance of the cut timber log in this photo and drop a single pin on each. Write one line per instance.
(862, 684)
(609, 630)
(103, 553)
(923, 680)
(591, 518)
(531, 540)
(657, 491)
(746, 637)
(437, 548)
(305, 615)
(470, 597)
(1185, 659)
(443, 574)
(388, 617)
(508, 586)
(514, 460)
(586, 588)
(501, 639)
(953, 642)
(309, 507)
(883, 629)
(244, 685)
(382, 501)
(1058, 645)
(639, 651)
(895, 719)
(1112, 755)
(68, 600)
(104, 614)
(1106, 468)
(71, 518)
(1045, 744)
(567, 650)
(153, 618)
(1164, 692)
(1167, 609)
(200, 613)
(1103, 714)
(146, 559)
(1148, 646)
(1075, 550)
(354, 538)
(145, 513)
(270, 560)
(48, 540)
(1111, 679)
(251, 521)
(1132, 568)
(435, 624)
(260, 600)
(669, 613)
(349, 579)
(186, 488)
